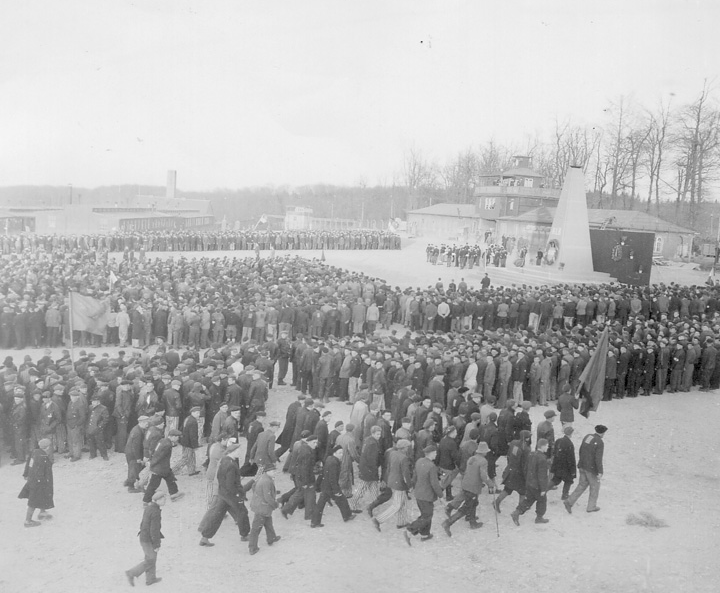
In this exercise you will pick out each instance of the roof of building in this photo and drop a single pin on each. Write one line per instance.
(458, 210)
(521, 172)
(631, 220)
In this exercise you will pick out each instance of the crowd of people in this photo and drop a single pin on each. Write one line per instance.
(184, 240)
(469, 256)
(435, 406)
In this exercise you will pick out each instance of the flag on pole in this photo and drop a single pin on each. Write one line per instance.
(112, 278)
(88, 314)
(592, 379)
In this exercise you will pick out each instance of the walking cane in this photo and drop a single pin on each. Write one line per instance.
(497, 525)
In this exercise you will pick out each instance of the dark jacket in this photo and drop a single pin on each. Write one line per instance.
(150, 525)
(536, 473)
(563, 463)
(134, 444)
(591, 454)
(303, 465)
(160, 459)
(38, 488)
(331, 477)
(189, 436)
(370, 460)
(448, 454)
(228, 477)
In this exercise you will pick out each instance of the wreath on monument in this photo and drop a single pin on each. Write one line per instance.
(552, 252)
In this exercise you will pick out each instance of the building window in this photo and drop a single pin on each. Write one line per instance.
(659, 244)
(489, 203)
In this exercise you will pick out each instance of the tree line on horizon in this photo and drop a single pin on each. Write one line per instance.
(662, 159)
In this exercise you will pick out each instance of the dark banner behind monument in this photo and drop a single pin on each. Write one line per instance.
(624, 255)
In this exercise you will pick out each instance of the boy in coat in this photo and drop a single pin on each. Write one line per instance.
(150, 539)
(39, 486)
(263, 504)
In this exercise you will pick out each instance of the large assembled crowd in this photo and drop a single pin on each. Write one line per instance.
(435, 405)
(184, 240)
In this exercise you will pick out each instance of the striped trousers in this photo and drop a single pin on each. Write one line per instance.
(398, 505)
(187, 460)
(373, 488)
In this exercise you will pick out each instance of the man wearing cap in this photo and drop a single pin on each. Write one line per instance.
(49, 419)
(565, 405)
(38, 488)
(546, 431)
(590, 466)
(371, 458)
(75, 419)
(134, 453)
(474, 478)
(189, 442)
(160, 467)
(230, 499)
(263, 504)
(150, 536)
(99, 417)
(173, 405)
(427, 490)
(254, 430)
(330, 489)
(263, 451)
(563, 467)
(398, 478)
(302, 466)
(19, 420)
(536, 485)
(121, 412)
(516, 469)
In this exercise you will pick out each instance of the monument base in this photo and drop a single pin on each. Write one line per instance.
(537, 275)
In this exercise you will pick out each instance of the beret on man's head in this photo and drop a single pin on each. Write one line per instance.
(601, 429)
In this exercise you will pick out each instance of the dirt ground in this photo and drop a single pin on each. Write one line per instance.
(660, 457)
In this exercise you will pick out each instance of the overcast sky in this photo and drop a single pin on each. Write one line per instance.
(241, 93)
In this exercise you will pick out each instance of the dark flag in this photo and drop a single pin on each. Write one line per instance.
(592, 379)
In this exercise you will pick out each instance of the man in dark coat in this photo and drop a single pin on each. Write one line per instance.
(514, 474)
(230, 499)
(285, 440)
(371, 458)
(134, 453)
(99, 417)
(536, 485)
(331, 489)
(160, 467)
(150, 536)
(302, 470)
(39, 486)
(590, 465)
(563, 467)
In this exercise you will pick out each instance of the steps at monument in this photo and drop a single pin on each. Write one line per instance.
(537, 276)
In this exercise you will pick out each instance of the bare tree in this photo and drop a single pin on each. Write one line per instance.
(697, 143)
(419, 175)
(656, 144)
(460, 176)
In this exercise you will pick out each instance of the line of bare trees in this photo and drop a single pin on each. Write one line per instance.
(662, 159)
